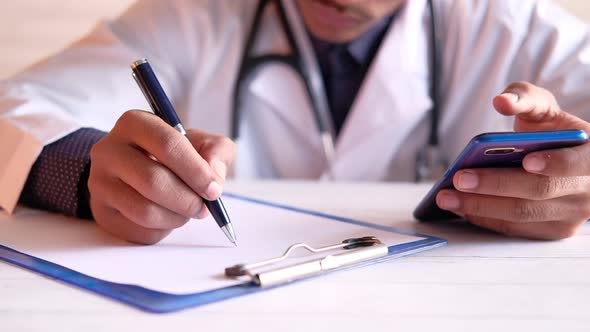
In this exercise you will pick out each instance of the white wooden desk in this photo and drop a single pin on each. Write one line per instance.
(480, 282)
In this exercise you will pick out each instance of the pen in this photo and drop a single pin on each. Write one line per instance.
(162, 107)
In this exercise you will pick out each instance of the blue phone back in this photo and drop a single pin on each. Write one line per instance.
(474, 156)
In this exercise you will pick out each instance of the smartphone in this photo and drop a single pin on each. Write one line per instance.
(502, 149)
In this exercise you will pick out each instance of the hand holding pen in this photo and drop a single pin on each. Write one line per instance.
(146, 178)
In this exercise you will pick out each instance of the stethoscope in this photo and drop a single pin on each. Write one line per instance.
(429, 164)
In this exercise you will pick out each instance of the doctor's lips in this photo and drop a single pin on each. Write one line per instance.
(332, 14)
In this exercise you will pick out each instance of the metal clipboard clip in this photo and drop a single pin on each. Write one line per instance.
(355, 251)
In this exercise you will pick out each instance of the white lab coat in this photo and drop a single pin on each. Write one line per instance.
(195, 46)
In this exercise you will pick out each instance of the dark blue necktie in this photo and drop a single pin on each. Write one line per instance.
(344, 78)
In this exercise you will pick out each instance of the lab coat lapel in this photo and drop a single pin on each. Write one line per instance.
(391, 101)
(280, 113)
(281, 89)
(279, 118)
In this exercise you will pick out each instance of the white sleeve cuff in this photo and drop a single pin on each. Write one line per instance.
(17, 155)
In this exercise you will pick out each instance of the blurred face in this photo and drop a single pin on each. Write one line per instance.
(341, 21)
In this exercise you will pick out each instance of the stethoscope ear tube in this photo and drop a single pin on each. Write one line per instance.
(430, 164)
(310, 70)
(246, 67)
(302, 59)
(435, 69)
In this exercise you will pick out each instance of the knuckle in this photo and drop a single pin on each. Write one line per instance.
(501, 183)
(205, 175)
(525, 211)
(225, 141)
(549, 97)
(95, 150)
(173, 145)
(155, 178)
(228, 146)
(124, 121)
(99, 150)
(131, 123)
(145, 214)
(521, 86)
(472, 206)
(546, 187)
(128, 117)
(570, 160)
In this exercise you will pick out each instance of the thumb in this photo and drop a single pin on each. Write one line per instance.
(535, 109)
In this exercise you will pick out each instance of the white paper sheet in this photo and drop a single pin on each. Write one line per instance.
(192, 259)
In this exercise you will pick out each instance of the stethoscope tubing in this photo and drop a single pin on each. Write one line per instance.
(303, 60)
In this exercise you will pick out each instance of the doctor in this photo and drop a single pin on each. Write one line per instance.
(69, 145)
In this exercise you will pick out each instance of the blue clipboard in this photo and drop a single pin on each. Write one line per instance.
(159, 302)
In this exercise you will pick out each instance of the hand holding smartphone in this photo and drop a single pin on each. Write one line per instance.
(488, 150)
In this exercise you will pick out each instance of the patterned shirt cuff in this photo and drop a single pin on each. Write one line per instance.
(58, 180)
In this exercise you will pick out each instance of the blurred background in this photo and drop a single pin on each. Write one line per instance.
(33, 29)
